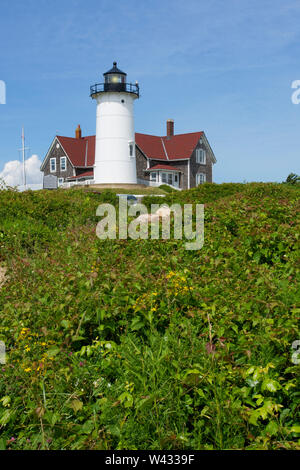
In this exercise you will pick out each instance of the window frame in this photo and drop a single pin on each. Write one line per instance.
(200, 180)
(201, 156)
(164, 174)
(53, 159)
(65, 159)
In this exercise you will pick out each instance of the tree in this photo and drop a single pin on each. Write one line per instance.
(293, 179)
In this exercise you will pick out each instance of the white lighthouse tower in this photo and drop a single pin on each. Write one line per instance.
(115, 140)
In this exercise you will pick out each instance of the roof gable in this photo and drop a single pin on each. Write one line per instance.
(81, 152)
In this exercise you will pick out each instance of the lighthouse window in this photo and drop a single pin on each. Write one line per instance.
(63, 164)
(131, 149)
(115, 79)
(53, 165)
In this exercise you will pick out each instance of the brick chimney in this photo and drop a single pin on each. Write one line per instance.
(78, 132)
(170, 127)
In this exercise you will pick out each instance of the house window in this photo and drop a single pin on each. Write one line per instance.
(176, 178)
(164, 177)
(60, 181)
(153, 176)
(170, 178)
(200, 156)
(53, 165)
(200, 178)
(63, 163)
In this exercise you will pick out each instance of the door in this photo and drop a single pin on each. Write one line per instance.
(176, 180)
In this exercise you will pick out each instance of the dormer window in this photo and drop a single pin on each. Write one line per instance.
(201, 156)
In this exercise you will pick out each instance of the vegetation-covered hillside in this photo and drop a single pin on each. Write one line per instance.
(123, 344)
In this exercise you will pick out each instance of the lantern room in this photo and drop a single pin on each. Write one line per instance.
(114, 81)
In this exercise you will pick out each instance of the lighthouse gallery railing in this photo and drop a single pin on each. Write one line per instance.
(119, 87)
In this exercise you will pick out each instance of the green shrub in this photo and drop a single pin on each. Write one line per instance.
(124, 344)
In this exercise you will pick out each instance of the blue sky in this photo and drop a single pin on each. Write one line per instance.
(225, 67)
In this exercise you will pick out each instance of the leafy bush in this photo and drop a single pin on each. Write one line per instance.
(167, 188)
(123, 344)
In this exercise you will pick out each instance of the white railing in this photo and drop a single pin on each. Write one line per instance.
(69, 184)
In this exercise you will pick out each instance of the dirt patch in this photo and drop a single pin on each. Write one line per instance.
(2, 276)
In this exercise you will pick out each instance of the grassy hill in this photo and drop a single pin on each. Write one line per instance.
(123, 344)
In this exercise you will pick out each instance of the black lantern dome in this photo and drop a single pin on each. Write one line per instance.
(114, 71)
(114, 81)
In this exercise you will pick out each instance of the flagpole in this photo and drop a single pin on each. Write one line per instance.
(23, 153)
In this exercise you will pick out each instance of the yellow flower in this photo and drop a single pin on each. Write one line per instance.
(27, 370)
(27, 348)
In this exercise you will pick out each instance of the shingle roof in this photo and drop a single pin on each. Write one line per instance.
(81, 152)
(82, 175)
(163, 167)
(177, 147)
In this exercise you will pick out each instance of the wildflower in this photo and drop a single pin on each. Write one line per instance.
(27, 370)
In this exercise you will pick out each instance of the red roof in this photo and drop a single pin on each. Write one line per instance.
(163, 167)
(83, 175)
(81, 152)
(177, 147)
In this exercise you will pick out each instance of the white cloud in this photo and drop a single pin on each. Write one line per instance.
(12, 172)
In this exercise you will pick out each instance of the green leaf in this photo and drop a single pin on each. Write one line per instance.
(272, 428)
(76, 405)
(270, 385)
(66, 324)
(5, 418)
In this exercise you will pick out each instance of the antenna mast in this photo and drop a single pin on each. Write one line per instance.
(23, 149)
(23, 154)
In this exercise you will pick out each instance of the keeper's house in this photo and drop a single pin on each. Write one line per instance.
(182, 161)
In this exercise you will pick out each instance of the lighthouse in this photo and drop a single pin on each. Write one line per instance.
(115, 139)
